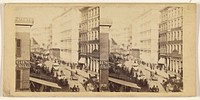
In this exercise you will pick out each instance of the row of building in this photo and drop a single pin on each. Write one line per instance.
(158, 35)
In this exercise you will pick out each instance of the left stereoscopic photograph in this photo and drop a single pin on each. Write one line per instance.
(98, 48)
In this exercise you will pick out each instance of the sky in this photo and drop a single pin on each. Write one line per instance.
(44, 15)
(121, 16)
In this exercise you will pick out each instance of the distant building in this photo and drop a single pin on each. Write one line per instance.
(35, 47)
(65, 35)
(135, 53)
(145, 36)
(113, 46)
(171, 39)
(37, 33)
(124, 39)
(23, 26)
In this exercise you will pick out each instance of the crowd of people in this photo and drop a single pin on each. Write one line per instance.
(46, 72)
(173, 84)
(124, 72)
(154, 89)
(75, 88)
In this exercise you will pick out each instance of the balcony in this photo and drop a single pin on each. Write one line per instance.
(175, 42)
(163, 54)
(83, 42)
(82, 53)
(176, 28)
(162, 42)
(94, 41)
(82, 31)
(175, 54)
(95, 28)
(163, 31)
(95, 53)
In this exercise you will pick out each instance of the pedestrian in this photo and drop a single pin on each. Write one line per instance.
(156, 73)
(74, 89)
(77, 88)
(157, 89)
(154, 88)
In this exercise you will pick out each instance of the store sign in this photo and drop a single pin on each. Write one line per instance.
(22, 62)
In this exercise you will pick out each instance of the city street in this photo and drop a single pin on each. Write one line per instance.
(151, 82)
(67, 75)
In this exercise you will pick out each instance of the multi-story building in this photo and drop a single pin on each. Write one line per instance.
(94, 41)
(145, 36)
(65, 35)
(23, 26)
(171, 38)
(90, 36)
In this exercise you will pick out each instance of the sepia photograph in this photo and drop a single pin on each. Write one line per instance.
(135, 48)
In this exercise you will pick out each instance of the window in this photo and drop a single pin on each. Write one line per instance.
(18, 48)
(92, 36)
(95, 35)
(174, 35)
(181, 35)
(181, 49)
(18, 78)
(178, 36)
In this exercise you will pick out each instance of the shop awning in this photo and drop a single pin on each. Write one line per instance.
(55, 64)
(43, 82)
(161, 61)
(82, 60)
(133, 85)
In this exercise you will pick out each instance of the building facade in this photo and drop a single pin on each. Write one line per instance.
(89, 37)
(93, 23)
(23, 26)
(145, 36)
(65, 35)
(171, 38)
(94, 42)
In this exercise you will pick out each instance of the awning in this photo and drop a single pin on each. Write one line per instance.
(43, 82)
(124, 83)
(82, 60)
(55, 64)
(161, 61)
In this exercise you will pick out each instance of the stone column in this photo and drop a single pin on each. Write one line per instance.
(104, 29)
